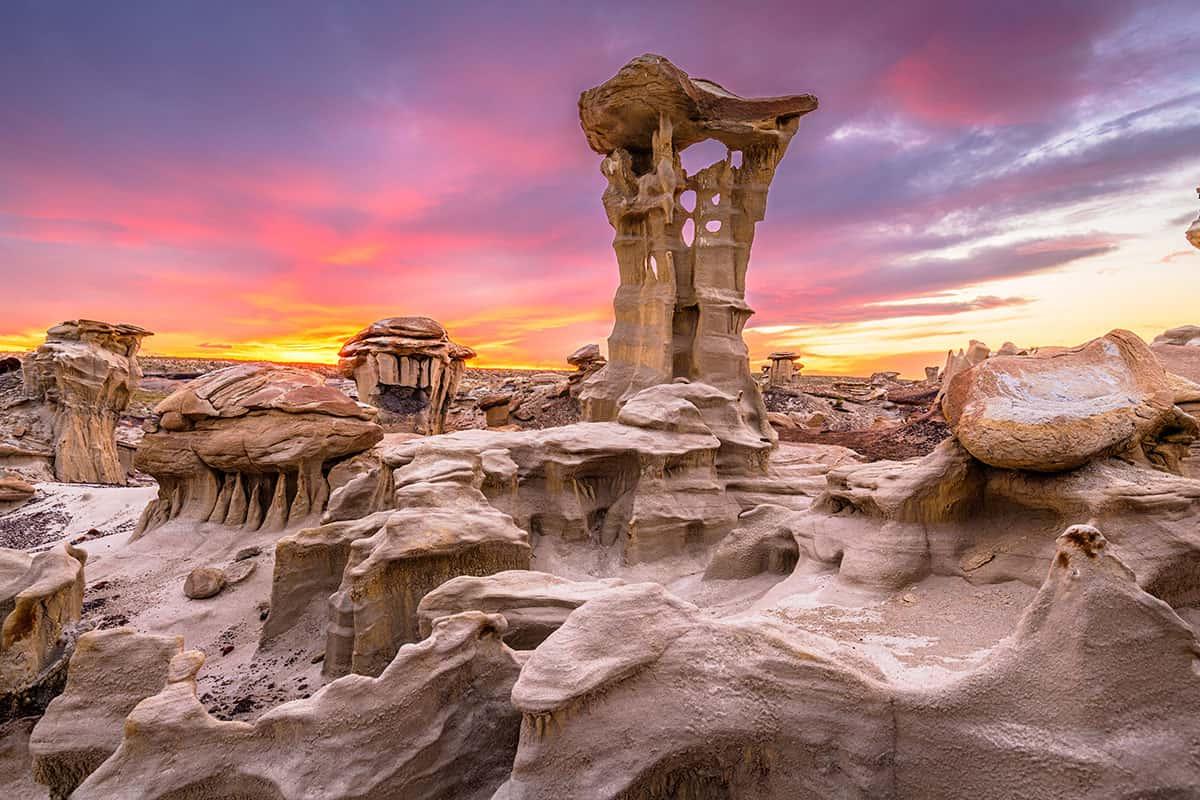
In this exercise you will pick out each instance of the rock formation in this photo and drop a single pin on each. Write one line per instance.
(587, 362)
(783, 369)
(77, 383)
(1193, 231)
(110, 672)
(1184, 336)
(720, 729)
(40, 596)
(408, 368)
(535, 604)
(14, 488)
(437, 723)
(680, 308)
(1059, 410)
(251, 446)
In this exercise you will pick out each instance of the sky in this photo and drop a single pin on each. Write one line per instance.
(262, 182)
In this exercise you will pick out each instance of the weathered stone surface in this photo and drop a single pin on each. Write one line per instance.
(718, 728)
(535, 604)
(358, 738)
(408, 368)
(587, 361)
(1056, 411)
(77, 384)
(250, 446)
(40, 595)
(204, 582)
(111, 671)
(1184, 336)
(681, 307)
(14, 489)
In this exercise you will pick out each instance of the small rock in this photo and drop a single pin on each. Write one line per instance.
(908, 599)
(238, 571)
(247, 552)
(204, 582)
(973, 561)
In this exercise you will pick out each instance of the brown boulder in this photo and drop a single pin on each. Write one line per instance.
(1054, 411)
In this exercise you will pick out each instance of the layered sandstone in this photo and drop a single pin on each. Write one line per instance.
(40, 596)
(680, 307)
(250, 446)
(77, 383)
(408, 368)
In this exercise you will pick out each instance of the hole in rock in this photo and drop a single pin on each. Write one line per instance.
(716, 199)
(689, 232)
(402, 399)
(713, 226)
(735, 158)
(701, 155)
(688, 200)
(652, 266)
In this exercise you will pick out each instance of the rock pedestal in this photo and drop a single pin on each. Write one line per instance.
(783, 369)
(408, 368)
(681, 304)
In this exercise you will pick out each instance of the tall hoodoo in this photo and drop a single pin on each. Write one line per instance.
(681, 305)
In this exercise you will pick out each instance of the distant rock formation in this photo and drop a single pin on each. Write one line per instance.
(408, 368)
(681, 306)
(1184, 336)
(250, 445)
(587, 362)
(77, 383)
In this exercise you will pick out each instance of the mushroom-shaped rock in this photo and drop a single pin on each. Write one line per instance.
(111, 671)
(1055, 411)
(251, 445)
(681, 306)
(85, 374)
(408, 368)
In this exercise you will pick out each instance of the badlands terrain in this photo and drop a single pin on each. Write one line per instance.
(658, 572)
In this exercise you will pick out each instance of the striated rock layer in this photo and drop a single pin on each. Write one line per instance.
(250, 445)
(680, 307)
(408, 368)
(77, 384)
(40, 596)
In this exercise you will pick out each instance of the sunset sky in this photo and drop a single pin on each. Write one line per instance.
(263, 182)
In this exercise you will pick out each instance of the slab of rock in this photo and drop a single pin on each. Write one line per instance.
(535, 604)
(14, 489)
(1183, 336)
(250, 446)
(110, 672)
(204, 582)
(1053, 412)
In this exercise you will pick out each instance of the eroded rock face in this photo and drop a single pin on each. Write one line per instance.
(77, 383)
(681, 307)
(1057, 411)
(587, 361)
(40, 595)
(755, 708)
(111, 671)
(408, 368)
(250, 445)
(1184, 336)
(379, 738)
(535, 604)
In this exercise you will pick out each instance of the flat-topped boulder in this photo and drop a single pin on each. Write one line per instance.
(1057, 410)
(408, 368)
(250, 445)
